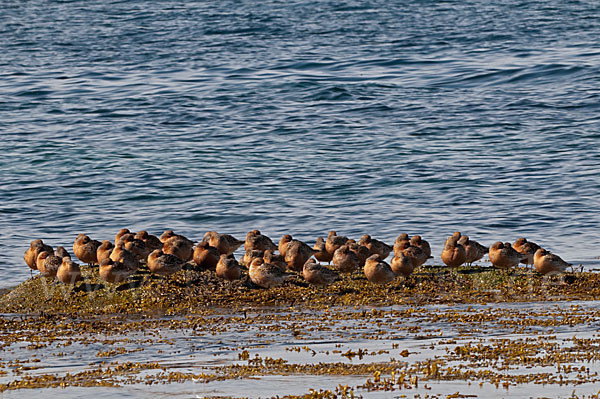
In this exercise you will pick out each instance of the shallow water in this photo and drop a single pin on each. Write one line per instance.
(408, 335)
(300, 117)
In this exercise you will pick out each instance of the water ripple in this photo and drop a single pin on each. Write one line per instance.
(300, 117)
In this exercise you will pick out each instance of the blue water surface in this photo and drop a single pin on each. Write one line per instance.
(299, 117)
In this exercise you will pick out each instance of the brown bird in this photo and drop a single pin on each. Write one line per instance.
(228, 268)
(120, 234)
(164, 264)
(35, 248)
(375, 246)
(104, 250)
(48, 264)
(266, 275)
(61, 252)
(417, 255)
(317, 274)
(454, 237)
(152, 242)
(167, 234)
(473, 249)
(345, 260)
(85, 249)
(399, 242)
(527, 249)
(503, 255)
(548, 263)
(39, 262)
(417, 241)
(180, 247)
(360, 250)
(136, 246)
(453, 254)
(249, 256)
(333, 242)
(122, 255)
(206, 256)
(256, 240)
(225, 243)
(274, 259)
(115, 271)
(402, 265)
(322, 255)
(69, 272)
(296, 254)
(377, 271)
(283, 243)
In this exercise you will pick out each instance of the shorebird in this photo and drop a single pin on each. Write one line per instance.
(168, 234)
(473, 249)
(164, 264)
(256, 240)
(266, 275)
(127, 258)
(85, 249)
(417, 255)
(360, 250)
(453, 254)
(68, 272)
(333, 242)
(136, 246)
(377, 271)
(527, 249)
(120, 234)
(225, 243)
(151, 241)
(317, 274)
(39, 262)
(206, 256)
(283, 243)
(375, 246)
(48, 264)
(548, 263)
(180, 247)
(249, 256)
(400, 240)
(115, 271)
(417, 241)
(402, 264)
(228, 268)
(345, 260)
(275, 259)
(35, 248)
(61, 252)
(503, 255)
(453, 238)
(322, 255)
(104, 250)
(297, 253)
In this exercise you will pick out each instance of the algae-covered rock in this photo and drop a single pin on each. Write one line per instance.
(194, 291)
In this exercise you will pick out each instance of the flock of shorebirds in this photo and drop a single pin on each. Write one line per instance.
(268, 264)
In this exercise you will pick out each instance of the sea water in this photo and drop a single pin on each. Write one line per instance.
(299, 117)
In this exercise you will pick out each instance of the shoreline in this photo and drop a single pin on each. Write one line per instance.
(196, 291)
(348, 351)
